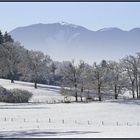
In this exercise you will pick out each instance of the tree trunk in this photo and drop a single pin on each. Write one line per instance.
(116, 96)
(81, 99)
(133, 93)
(99, 86)
(115, 89)
(137, 91)
(76, 97)
(35, 83)
(99, 92)
(12, 78)
(137, 88)
(100, 99)
(81, 94)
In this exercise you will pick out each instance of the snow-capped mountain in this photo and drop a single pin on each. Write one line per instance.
(64, 41)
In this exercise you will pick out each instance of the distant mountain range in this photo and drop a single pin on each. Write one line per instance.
(64, 41)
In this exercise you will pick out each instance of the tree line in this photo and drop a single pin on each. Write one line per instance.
(18, 63)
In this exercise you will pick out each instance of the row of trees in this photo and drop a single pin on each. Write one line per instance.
(16, 62)
(108, 76)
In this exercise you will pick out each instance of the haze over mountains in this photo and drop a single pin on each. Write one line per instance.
(64, 41)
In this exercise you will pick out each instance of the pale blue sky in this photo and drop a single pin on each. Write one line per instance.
(92, 15)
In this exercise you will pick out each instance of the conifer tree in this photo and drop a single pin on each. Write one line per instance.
(1, 37)
(7, 37)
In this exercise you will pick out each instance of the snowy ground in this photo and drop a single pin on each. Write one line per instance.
(44, 93)
(105, 119)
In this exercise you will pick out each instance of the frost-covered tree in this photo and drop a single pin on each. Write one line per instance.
(138, 68)
(130, 65)
(36, 66)
(69, 73)
(84, 82)
(72, 76)
(2, 62)
(100, 78)
(10, 54)
(56, 72)
(116, 77)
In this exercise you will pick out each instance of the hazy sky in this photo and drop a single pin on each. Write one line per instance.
(92, 15)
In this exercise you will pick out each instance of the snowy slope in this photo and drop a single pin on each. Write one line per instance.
(44, 93)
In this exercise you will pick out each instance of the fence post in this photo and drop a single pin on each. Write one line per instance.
(138, 124)
(102, 123)
(63, 121)
(11, 119)
(88, 123)
(24, 120)
(49, 120)
(117, 123)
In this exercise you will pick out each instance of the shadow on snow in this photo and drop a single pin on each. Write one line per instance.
(34, 133)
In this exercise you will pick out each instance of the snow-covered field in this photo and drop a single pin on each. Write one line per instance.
(44, 93)
(104, 119)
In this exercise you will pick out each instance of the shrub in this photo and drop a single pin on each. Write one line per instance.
(3, 94)
(19, 96)
(14, 95)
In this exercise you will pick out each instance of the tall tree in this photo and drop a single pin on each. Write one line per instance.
(130, 65)
(138, 68)
(118, 79)
(72, 76)
(11, 57)
(100, 77)
(36, 66)
(83, 77)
